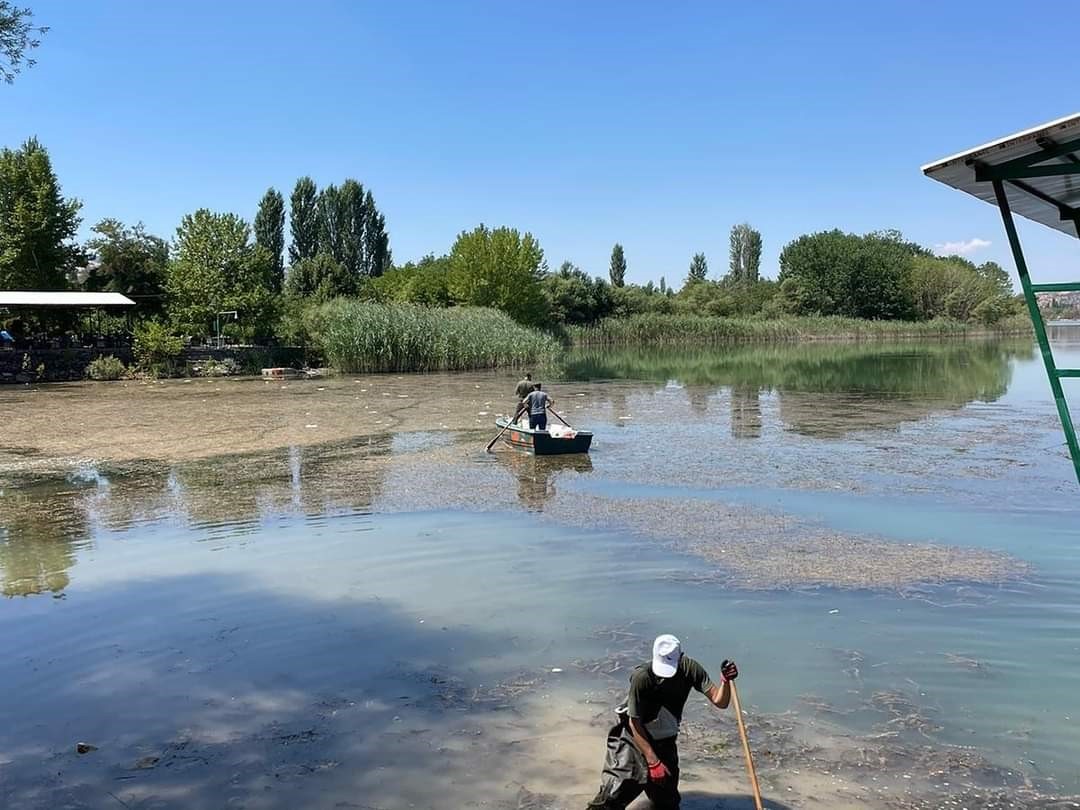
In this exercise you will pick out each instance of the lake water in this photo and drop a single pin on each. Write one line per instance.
(375, 613)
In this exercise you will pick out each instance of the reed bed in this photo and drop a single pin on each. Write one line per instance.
(360, 337)
(672, 329)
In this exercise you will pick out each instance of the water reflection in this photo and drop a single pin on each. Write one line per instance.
(745, 412)
(41, 527)
(44, 521)
(536, 475)
(853, 386)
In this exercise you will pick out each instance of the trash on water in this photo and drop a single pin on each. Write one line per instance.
(84, 748)
(311, 426)
(556, 669)
(833, 611)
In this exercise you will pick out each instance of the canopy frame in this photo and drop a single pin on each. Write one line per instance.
(1014, 172)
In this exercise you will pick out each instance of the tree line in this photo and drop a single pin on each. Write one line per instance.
(333, 243)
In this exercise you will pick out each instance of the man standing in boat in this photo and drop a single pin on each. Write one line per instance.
(524, 388)
(537, 401)
(641, 749)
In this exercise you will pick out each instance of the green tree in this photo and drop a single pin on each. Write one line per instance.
(376, 241)
(18, 36)
(304, 220)
(37, 223)
(953, 287)
(217, 269)
(499, 268)
(575, 297)
(704, 298)
(834, 273)
(270, 233)
(617, 269)
(997, 276)
(424, 282)
(128, 261)
(745, 262)
(320, 278)
(699, 268)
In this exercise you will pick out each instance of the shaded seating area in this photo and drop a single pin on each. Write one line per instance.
(62, 320)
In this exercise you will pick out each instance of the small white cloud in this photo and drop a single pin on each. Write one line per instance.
(962, 248)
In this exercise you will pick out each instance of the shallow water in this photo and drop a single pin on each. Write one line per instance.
(381, 615)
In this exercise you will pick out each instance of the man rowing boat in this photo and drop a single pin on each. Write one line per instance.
(641, 749)
(537, 402)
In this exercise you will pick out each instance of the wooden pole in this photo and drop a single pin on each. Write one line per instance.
(501, 432)
(746, 747)
(556, 414)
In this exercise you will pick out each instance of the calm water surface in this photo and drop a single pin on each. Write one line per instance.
(227, 601)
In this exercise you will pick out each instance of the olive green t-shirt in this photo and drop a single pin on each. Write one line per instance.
(658, 702)
(523, 388)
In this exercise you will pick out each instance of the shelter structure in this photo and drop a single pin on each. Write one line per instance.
(1034, 174)
(27, 299)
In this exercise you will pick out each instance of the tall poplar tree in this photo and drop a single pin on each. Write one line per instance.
(270, 233)
(745, 254)
(699, 268)
(617, 271)
(304, 221)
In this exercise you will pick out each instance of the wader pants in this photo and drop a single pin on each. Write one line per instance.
(625, 774)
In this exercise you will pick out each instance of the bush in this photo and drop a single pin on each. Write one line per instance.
(157, 351)
(105, 368)
(358, 336)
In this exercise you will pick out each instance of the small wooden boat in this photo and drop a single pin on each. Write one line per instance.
(543, 443)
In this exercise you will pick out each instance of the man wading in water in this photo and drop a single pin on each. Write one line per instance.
(641, 750)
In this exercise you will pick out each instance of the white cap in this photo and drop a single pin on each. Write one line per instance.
(666, 652)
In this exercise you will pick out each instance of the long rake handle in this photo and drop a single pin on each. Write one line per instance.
(746, 747)
(501, 432)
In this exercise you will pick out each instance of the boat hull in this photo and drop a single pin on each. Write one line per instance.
(541, 443)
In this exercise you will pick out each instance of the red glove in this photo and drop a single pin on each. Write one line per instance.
(658, 772)
(728, 671)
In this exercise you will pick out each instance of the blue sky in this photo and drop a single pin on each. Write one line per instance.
(655, 125)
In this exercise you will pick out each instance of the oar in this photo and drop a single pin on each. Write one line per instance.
(746, 747)
(501, 432)
(556, 415)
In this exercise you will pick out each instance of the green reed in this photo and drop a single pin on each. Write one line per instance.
(670, 329)
(358, 336)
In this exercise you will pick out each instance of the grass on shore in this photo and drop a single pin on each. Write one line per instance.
(360, 337)
(663, 329)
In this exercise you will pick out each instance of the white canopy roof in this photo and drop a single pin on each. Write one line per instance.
(25, 298)
(1036, 166)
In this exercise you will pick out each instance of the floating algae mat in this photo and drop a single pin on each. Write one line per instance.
(876, 532)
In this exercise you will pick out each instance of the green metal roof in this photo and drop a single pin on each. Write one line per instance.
(1038, 167)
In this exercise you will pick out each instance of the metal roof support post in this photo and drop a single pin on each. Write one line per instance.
(1040, 327)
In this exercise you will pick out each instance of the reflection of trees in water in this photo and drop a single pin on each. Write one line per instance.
(342, 476)
(826, 388)
(42, 524)
(133, 493)
(536, 474)
(44, 521)
(313, 479)
(745, 412)
(698, 395)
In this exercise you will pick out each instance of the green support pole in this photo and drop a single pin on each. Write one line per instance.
(1040, 327)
